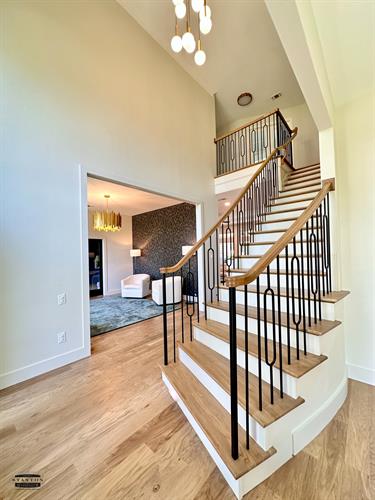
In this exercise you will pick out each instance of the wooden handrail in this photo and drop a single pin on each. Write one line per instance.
(283, 241)
(261, 117)
(199, 243)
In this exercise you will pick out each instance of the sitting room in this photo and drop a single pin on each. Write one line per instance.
(132, 233)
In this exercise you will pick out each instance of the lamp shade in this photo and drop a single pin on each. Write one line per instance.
(135, 252)
(186, 249)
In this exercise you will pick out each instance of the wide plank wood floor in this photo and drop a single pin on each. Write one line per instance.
(106, 428)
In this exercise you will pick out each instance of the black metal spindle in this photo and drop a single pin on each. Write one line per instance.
(287, 304)
(247, 402)
(233, 371)
(259, 349)
(173, 319)
(165, 324)
(279, 322)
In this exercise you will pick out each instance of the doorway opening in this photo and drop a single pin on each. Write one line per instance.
(123, 266)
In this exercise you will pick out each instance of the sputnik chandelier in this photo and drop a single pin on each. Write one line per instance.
(187, 41)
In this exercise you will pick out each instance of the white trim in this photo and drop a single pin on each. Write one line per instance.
(33, 370)
(362, 374)
(310, 428)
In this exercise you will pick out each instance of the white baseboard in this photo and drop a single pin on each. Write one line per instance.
(40, 367)
(365, 375)
(112, 292)
(310, 428)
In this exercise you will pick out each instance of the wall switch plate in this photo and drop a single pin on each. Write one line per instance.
(61, 299)
(61, 338)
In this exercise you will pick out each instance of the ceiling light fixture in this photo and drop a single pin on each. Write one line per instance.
(276, 96)
(244, 99)
(188, 41)
(107, 221)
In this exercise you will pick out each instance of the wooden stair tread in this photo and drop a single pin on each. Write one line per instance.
(270, 242)
(306, 168)
(275, 221)
(296, 369)
(291, 201)
(317, 184)
(297, 173)
(239, 270)
(302, 180)
(320, 328)
(215, 421)
(287, 195)
(218, 368)
(330, 298)
(286, 210)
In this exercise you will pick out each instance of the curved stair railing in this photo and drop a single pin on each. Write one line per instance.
(306, 250)
(198, 275)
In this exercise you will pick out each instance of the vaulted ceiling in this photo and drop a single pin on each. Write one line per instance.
(243, 50)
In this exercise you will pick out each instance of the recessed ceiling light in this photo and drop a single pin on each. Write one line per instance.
(276, 96)
(244, 99)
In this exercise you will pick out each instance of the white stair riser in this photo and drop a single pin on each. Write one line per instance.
(257, 432)
(292, 195)
(328, 309)
(299, 190)
(286, 206)
(284, 215)
(312, 341)
(290, 384)
(301, 183)
(263, 279)
(249, 262)
(262, 249)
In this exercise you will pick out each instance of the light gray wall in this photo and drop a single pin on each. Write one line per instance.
(82, 84)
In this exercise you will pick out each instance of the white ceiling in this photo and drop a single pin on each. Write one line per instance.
(126, 200)
(243, 50)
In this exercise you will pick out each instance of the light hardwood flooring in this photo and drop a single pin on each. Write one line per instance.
(106, 428)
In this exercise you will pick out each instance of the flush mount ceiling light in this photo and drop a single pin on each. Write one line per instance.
(244, 99)
(107, 221)
(276, 96)
(188, 41)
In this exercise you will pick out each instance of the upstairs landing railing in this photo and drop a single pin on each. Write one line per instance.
(252, 143)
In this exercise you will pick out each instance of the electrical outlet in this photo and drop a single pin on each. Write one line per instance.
(61, 299)
(61, 338)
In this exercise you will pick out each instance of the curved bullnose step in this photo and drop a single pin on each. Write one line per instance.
(296, 369)
(212, 424)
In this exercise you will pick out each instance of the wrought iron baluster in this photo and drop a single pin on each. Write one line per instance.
(287, 304)
(247, 403)
(260, 403)
(165, 324)
(279, 322)
(233, 371)
(296, 318)
(303, 295)
(269, 362)
(173, 319)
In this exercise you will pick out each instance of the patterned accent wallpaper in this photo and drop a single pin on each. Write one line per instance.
(160, 234)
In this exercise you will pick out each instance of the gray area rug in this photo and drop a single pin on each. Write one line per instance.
(113, 312)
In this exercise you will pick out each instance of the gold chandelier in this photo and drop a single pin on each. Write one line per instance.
(104, 220)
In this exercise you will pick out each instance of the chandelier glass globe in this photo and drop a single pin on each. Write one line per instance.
(205, 25)
(176, 44)
(200, 57)
(180, 10)
(205, 11)
(196, 5)
(188, 42)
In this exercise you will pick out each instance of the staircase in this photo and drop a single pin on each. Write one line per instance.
(254, 355)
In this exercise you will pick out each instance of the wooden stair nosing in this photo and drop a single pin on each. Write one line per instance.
(296, 369)
(272, 242)
(291, 201)
(296, 194)
(302, 181)
(320, 328)
(329, 298)
(307, 167)
(239, 270)
(214, 421)
(218, 368)
(287, 210)
(318, 184)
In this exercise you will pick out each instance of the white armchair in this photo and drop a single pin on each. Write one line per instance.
(135, 286)
(157, 290)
